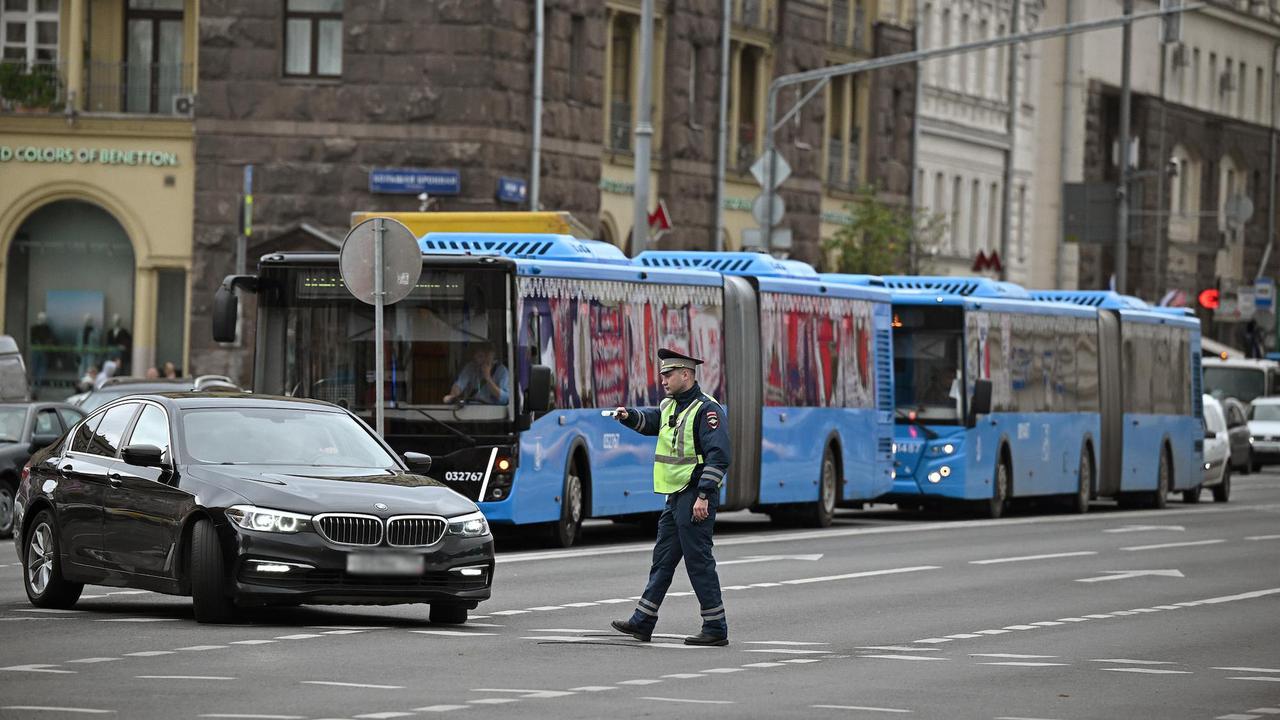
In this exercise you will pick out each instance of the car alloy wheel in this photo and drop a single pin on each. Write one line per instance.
(40, 557)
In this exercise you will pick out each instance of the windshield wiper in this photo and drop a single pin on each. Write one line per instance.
(910, 418)
(470, 440)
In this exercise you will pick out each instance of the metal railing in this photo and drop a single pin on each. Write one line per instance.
(142, 88)
(31, 87)
(620, 126)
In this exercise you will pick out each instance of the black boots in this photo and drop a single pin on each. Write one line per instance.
(705, 639)
(626, 628)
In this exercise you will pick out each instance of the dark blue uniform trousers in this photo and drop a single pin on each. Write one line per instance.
(680, 537)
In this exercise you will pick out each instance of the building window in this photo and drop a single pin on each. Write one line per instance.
(29, 30)
(1001, 78)
(748, 106)
(939, 192)
(695, 101)
(154, 71)
(1195, 77)
(955, 216)
(1022, 223)
(577, 57)
(620, 104)
(1258, 97)
(984, 30)
(964, 57)
(993, 216)
(1213, 82)
(1240, 87)
(836, 125)
(313, 38)
(944, 63)
(975, 211)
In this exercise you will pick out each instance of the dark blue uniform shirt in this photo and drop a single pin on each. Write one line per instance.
(710, 436)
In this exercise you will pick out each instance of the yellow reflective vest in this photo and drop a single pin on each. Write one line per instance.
(677, 453)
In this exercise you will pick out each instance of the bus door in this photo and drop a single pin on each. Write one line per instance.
(743, 393)
(1110, 404)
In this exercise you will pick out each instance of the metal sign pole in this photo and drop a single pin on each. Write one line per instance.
(379, 229)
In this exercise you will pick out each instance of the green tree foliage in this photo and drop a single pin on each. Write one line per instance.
(883, 239)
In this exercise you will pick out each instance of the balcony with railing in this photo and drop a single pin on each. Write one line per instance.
(161, 89)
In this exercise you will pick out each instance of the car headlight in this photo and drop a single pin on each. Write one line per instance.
(471, 525)
(266, 520)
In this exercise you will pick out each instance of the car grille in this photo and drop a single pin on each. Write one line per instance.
(350, 529)
(414, 531)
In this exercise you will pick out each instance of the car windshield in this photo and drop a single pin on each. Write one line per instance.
(1243, 384)
(280, 436)
(11, 421)
(1267, 412)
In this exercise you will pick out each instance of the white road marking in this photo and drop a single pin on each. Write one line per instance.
(722, 671)
(563, 638)
(992, 632)
(300, 636)
(38, 668)
(202, 648)
(1124, 661)
(1145, 528)
(509, 612)
(545, 608)
(683, 700)
(684, 676)
(851, 576)
(611, 601)
(493, 701)
(129, 592)
(581, 604)
(527, 694)
(252, 642)
(1145, 610)
(1099, 616)
(442, 708)
(593, 688)
(1149, 671)
(1233, 598)
(897, 648)
(1249, 669)
(451, 633)
(50, 611)
(566, 630)
(483, 625)
(769, 558)
(1020, 627)
(860, 707)
(352, 685)
(183, 678)
(784, 651)
(934, 641)
(137, 620)
(782, 642)
(384, 715)
(1237, 716)
(1164, 546)
(149, 653)
(1021, 663)
(1266, 711)
(1013, 656)
(640, 682)
(1074, 620)
(354, 627)
(1167, 607)
(903, 657)
(251, 716)
(1047, 623)
(1130, 574)
(774, 584)
(762, 665)
(43, 708)
(38, 617)
(341, 632)
(802, 661)
(1263, 679)
(90, 661)
(1051, 556)
(1019, 718)
(963, 636)
(1263, 537)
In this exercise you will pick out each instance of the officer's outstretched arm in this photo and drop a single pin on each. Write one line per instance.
(713, 440)
(646, 421)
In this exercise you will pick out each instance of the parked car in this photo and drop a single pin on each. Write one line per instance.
(240, 500)
(119, 387)
(1217, 455)
(1238, 437)
(26, 428)
(14, 384)
(1264, 427)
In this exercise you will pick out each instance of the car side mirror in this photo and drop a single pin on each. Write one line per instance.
(143, 455)
(40, 442)
(226, 306)
(418, 462)
(538, 391)
(1209, 434)
(980, 403)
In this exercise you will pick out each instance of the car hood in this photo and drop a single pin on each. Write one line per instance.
(312, 490)
(1264, 427)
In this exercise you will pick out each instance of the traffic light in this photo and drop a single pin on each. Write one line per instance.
(1209, 299)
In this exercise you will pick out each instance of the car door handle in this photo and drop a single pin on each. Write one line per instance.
(115, 479)
(66, 469)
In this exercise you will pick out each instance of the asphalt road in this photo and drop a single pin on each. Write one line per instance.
(884, 614)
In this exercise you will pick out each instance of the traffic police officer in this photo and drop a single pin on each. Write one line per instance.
(689, 468)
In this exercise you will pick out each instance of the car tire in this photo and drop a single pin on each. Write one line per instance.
(1222, 491)
(1078, 503)
(42, 566)
(8, 490)
(822, 511)
(445, 614)
(1248, 463)
(209, 592)
(1000, 492)
(1192, 496)
(568, 529)
(1159, 498)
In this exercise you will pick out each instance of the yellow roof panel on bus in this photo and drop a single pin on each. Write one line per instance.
(421, 223)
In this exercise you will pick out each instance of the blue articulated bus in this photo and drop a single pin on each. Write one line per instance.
(996, 394)
(1150, 396)
(802, 367)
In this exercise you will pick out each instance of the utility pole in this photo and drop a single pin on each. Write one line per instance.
(1011, 133)
(1122, 189)
(535, 160)
(644, 133)
(722, 136)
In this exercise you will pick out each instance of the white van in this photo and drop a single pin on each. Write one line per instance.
(1244, 380)
(14, 386)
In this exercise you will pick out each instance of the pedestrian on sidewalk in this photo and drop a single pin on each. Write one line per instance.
(689, 468)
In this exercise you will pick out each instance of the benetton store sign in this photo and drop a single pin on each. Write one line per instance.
(87, 156)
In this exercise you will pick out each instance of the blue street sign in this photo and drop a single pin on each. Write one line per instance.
(512, 190)
(412, 181)
(1264, 293)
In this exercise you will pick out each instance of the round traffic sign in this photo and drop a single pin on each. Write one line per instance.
(401, 260)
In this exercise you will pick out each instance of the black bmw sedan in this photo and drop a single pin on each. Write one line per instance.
(242, 500)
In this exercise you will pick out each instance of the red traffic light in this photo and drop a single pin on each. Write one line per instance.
(1209, 299)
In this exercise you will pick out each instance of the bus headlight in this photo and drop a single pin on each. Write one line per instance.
(945, 471)
(942, 450)
(935, 477)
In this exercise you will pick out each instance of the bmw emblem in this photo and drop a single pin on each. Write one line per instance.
(380, 506)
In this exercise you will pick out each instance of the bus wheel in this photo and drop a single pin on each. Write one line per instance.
(566, 531)
(1222, 491)
(1160, 498)
(994, 507)
(1079, 503)
(821, 512)
(1192, 496)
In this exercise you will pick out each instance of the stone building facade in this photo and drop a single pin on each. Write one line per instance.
(317, 93)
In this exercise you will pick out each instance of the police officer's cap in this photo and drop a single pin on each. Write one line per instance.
(672, 360)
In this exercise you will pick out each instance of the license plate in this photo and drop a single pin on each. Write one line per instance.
(384, 564)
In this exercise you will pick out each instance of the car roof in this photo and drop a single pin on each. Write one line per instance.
(43, 404)
(192, 400)
(1270, 400)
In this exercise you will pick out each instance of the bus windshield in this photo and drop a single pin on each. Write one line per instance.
(447, 353)
(928, 356)
(1242, 383)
